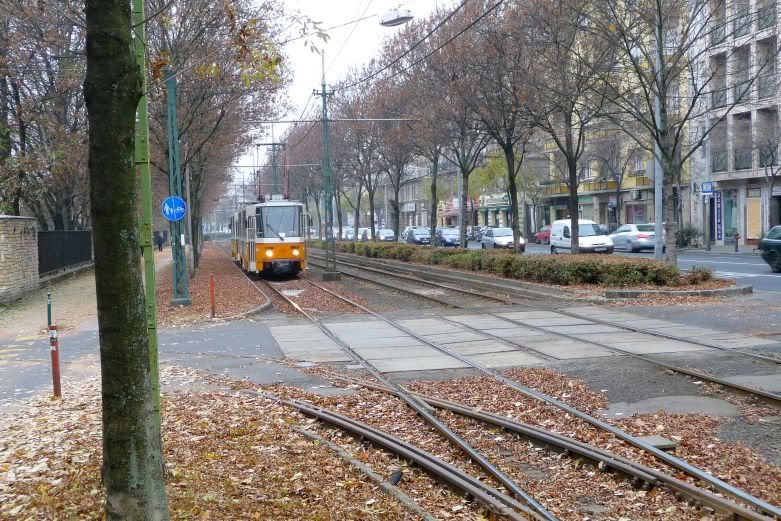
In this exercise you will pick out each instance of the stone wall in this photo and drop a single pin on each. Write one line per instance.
(18, 256)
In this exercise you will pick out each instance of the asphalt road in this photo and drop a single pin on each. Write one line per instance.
(745, 269)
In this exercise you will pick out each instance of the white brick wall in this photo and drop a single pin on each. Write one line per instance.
(18, 256)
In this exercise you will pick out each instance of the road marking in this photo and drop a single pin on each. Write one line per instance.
(736, 275)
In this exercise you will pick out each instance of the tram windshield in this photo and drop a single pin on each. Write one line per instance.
(279, 222)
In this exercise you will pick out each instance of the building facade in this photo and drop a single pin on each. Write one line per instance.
(735, 198)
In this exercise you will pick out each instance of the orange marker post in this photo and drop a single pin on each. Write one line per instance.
(55, 352)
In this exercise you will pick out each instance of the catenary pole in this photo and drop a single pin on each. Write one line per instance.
(145, 228)
(181, 290)
(330, 272)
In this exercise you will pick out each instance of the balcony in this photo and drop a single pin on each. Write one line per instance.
(766, 16)
(718, 98)
(766, 87)
(744, 159)
(768, 155)
(718, 161)
(718, 32)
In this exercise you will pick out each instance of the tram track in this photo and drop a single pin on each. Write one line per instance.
(761, 508)
(768, 397)
(670, 460)
(529, 505)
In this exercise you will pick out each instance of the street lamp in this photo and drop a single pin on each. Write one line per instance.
(396, 17)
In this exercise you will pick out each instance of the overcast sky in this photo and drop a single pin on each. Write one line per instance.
(352, 44)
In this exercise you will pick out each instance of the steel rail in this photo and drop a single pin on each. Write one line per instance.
(724, 487)
(635, 470)
(491, 498)
(660, 334)
(422, 411)
(769, 397)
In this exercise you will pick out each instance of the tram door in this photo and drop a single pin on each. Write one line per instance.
(251, 220)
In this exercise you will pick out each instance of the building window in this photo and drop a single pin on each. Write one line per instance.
(638, 162)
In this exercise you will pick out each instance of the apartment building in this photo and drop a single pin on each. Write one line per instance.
(733, 196)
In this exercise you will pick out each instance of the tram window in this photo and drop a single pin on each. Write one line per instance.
(280, 222)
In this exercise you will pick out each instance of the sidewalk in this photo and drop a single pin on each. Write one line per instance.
(718, 249)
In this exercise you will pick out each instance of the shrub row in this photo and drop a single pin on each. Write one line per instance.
(565, 270)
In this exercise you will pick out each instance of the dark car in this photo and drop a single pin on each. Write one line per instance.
(770, 246)
(447, 237)
(418, 236)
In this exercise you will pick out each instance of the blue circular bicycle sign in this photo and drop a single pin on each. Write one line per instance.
(174, 208)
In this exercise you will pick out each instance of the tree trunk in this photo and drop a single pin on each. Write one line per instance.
(132, 452)
(462, 210)
(396, 207)
(372, 228)
(512, 188)
(572, 167)
(319, 217)
(338, 208)
(357, 222)
(433, 216)
(670, 213)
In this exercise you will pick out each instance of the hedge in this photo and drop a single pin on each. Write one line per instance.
(563, 270)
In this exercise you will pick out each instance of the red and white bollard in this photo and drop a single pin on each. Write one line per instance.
(55, 352)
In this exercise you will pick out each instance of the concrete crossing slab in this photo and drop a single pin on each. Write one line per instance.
(454, 336)
(656, 346)
(378, 353)
(524, 315)
(484, 322)
(479, 347)
(566, 349)
(406, 341)
(423, 363)
(506, 359)
(582, 329)
(563, 321)
(770, 382)
(515, 332)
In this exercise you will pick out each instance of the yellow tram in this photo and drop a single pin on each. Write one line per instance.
(269, 236)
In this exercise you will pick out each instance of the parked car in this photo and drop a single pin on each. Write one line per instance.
(543, 236)
(472, 232)
(364, 234)
(501, 238)
(591, 237)
(447, 237)
(481, 233)
(418, 235)
(386, 234)
(770, 248)
(348, 234)
(635, 237)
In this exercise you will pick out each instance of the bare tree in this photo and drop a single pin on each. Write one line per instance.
(569, 98)
(669, 90)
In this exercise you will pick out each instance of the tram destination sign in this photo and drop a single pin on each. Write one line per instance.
(174, 208)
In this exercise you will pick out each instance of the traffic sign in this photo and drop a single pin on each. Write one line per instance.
(707, 187)
(174, 208)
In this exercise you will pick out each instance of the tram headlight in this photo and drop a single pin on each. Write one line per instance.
(269, 253)
(296, 253)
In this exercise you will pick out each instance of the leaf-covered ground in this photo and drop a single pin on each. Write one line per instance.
(228, 456)
(234, 293)
(232, 455)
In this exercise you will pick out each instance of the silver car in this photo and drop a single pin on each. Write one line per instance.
(635, 237)
(501, 238)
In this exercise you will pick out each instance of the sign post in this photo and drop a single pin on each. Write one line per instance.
(55, 348)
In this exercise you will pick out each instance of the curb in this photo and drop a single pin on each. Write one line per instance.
(716, 252)
(720, 292)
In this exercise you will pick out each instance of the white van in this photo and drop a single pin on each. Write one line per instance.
(591, 237)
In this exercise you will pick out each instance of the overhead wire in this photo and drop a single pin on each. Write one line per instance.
(352, 30)
(412, 48)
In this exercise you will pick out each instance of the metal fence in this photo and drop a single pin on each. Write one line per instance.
(60, 249)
